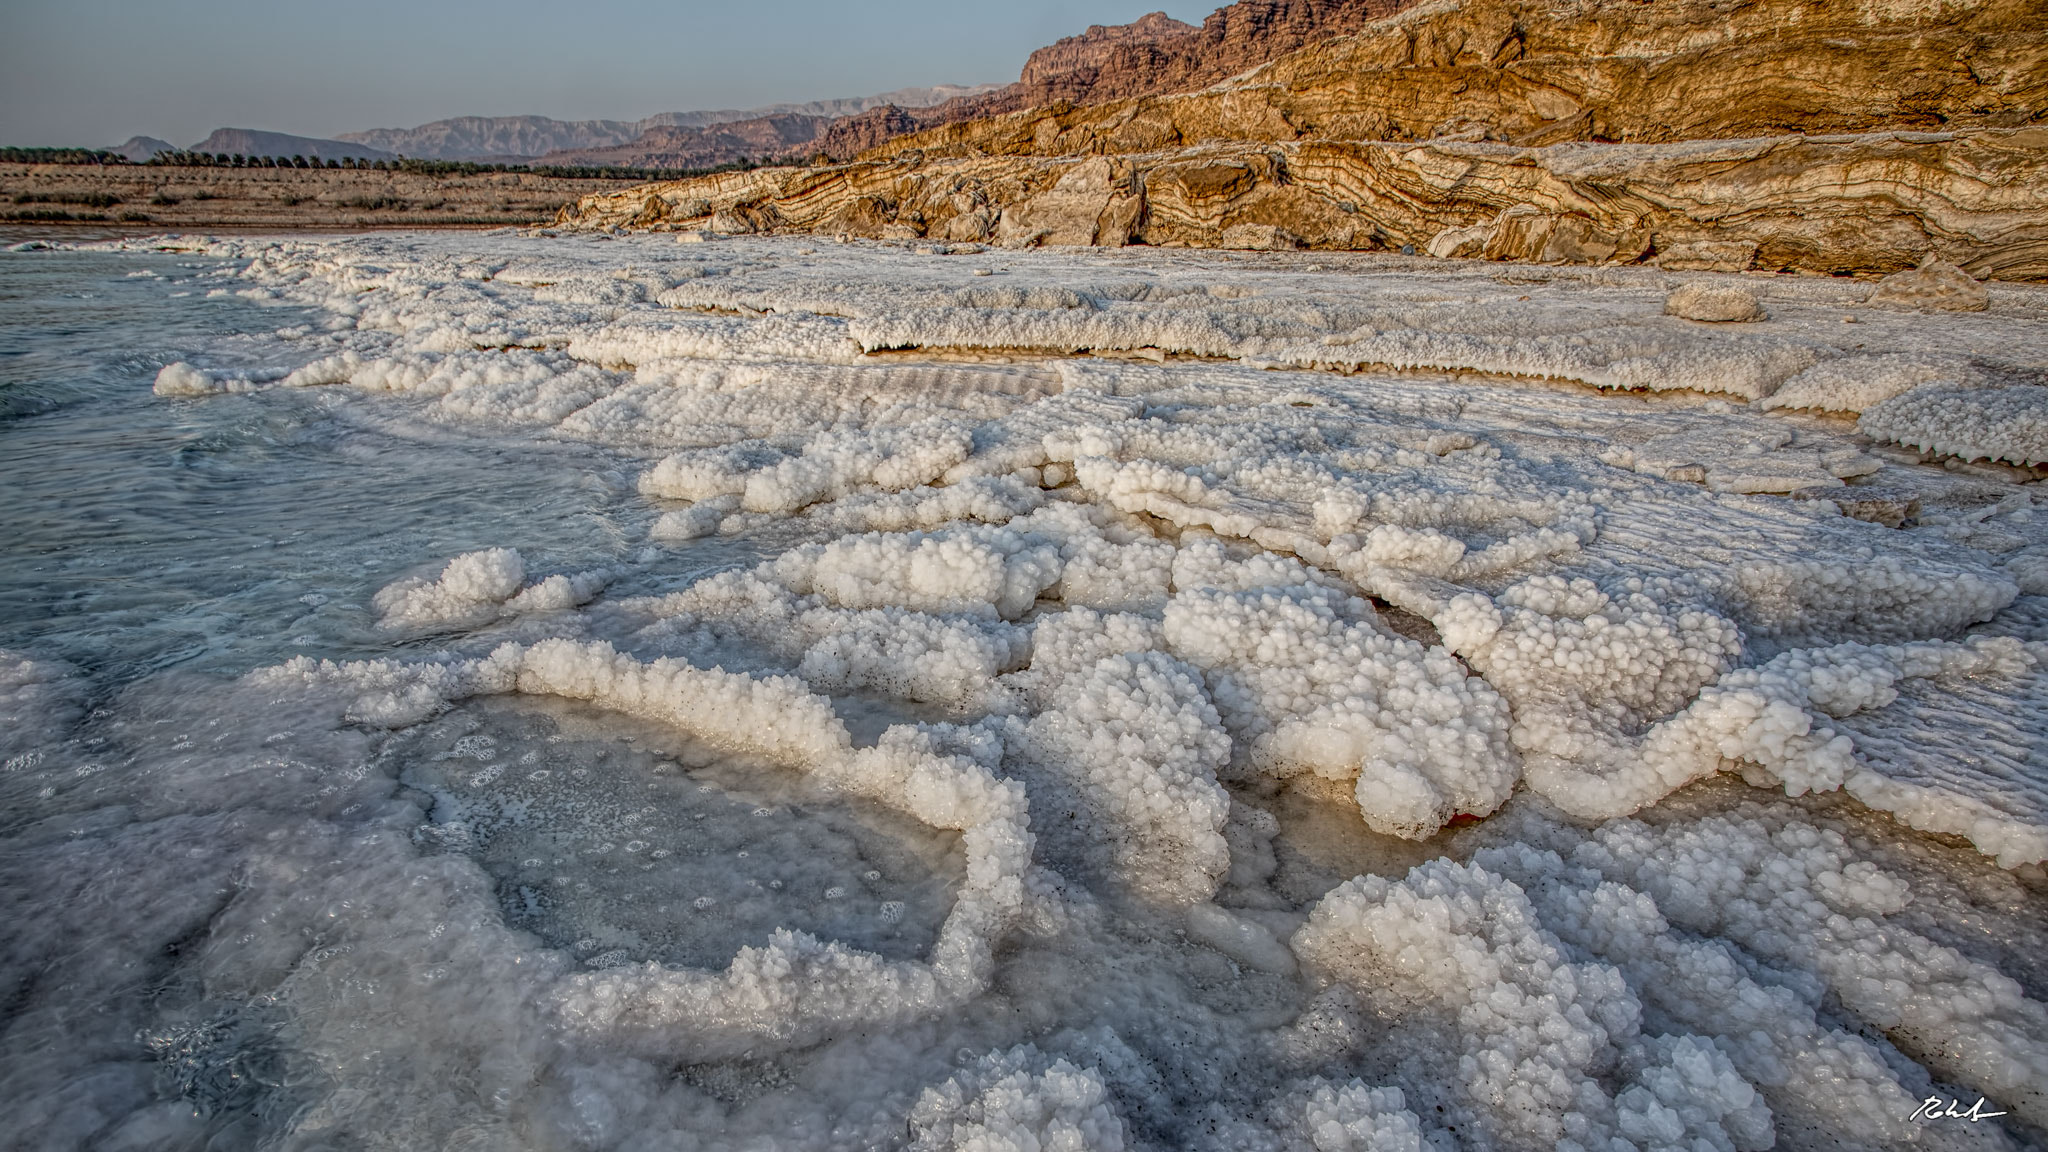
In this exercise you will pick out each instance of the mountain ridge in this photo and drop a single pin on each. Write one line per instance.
(251, 142)
(514, 137)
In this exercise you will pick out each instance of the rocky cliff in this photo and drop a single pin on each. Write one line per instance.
(1096, 49)
(1813, 135)
(708, 147)
(1155, 54)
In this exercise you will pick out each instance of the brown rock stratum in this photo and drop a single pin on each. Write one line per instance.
(1820, 136)
(1153, 55)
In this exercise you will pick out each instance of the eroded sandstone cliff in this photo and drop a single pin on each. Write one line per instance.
(1816, 135)
(1153, 55)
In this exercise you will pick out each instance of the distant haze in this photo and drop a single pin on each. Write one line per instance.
(93, 73)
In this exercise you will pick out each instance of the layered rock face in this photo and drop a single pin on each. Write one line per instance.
(1821, 137)
(1528, 72)
(1155, 54)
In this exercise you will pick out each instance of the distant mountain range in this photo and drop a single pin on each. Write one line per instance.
(527, 137)
(703, 138)
(761, 138)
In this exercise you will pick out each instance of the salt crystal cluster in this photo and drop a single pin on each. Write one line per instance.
(476, 588)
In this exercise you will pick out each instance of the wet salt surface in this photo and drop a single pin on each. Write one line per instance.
(623, 843)
(641, 859)
(142, 535)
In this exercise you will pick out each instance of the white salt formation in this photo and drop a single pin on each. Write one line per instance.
(1111, 699)
(999, 1105)
(2009, 424)
(477, 588)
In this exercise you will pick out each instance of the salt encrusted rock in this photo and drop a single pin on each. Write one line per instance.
(1715, 303)
(1260, 238)
(1936, 285)
(1873, 505)
(182, 379)
(1708, 256)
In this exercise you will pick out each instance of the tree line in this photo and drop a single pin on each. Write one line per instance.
(60, 156)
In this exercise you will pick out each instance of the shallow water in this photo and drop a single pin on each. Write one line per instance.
(229, 534)
(625, 842)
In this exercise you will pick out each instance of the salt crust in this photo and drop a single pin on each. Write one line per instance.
(2008, 424)
(1535, 1028)
(1859, 382)
(1797, 899)
(796, 989)
(1566, 948)
(1440, 498)
(1130, 581)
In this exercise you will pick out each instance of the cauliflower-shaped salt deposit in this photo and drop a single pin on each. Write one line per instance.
(1971, 423)
(989, 571)
(475, 589)
(1128, 751)
(1309, 681)
(1017, 1101)
(1535, 1031)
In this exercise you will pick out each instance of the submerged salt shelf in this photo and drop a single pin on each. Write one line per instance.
(1062, 700)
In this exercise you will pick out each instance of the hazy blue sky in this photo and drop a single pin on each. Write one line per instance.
(95, 72)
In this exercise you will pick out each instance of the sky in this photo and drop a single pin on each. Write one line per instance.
(91, 73)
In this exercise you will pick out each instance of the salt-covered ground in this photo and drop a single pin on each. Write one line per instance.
(1065, 700)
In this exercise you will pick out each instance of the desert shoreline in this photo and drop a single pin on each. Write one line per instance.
(156, 197)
